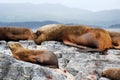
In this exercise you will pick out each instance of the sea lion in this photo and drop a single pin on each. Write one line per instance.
(80, 36)
(41, 57)
(112, 73)
(115, 36)
(15, 33)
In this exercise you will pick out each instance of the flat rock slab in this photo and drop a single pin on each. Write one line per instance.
(74, 64)
(12, 69)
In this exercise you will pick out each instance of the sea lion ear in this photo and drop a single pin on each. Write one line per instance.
(38, 33)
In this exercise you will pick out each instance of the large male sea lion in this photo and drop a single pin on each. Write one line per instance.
(15, 34)
(112, 73)
(41, 57)
(79, 36)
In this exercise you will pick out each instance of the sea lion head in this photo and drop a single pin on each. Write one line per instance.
(112, 73)
(45, 33)
(39, 36)
(14, 46)
(104, 73)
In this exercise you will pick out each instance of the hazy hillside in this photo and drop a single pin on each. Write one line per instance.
(32, 25)
(115, 26)
(56, 12)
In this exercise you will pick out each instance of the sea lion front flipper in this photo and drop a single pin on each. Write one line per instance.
(52, 66)
(73, 44)
(34, 59)
(11, 36)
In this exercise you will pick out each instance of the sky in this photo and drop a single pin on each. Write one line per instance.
(93, 5)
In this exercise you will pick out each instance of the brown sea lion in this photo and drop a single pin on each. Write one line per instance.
(112, 73)
(80, 36)
(41, 57)
(115, 36)
(15, 34)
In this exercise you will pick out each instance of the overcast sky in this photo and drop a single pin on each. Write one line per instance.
(94, 5)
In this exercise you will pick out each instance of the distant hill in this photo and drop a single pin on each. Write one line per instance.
(56, 12)
(115, 26)
(37, 24)
(32, 25)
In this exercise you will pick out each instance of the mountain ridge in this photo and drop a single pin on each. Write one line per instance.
(60, 13)
(29, 24)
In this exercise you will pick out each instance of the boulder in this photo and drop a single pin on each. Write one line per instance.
(73, 64)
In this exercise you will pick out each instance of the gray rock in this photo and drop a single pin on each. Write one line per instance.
(103, 78)
(2, 45)
(12, 69)
(27, 43)
(74, 65)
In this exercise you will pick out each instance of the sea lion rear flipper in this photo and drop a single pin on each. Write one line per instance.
(91, 50)
(85, 49)
(116, 47)
(73, 44)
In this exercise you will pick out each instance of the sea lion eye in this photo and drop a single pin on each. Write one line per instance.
(38, 33)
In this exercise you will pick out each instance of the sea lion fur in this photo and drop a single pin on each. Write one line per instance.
(41, 57)
(112, 73)
(80, 36)
(15, 33)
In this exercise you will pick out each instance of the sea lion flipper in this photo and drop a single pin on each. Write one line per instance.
(73, 44)
(11, 36)
(116, 47)
(34, 59)
(52, 66)
(91, 50)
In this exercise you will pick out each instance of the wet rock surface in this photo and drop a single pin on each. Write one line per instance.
(73, 64)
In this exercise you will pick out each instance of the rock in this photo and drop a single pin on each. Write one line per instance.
(74, 65)
(2, 45)
(12, 69)
(103, 78)
(4, 48)
(83, 65)
(27, 43)
(63, 63)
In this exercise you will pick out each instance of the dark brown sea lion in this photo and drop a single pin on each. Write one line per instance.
(41, 57)
(79, 36)
(15, 34)
(112, 73)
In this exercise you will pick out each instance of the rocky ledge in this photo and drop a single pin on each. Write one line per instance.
(73, 64)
